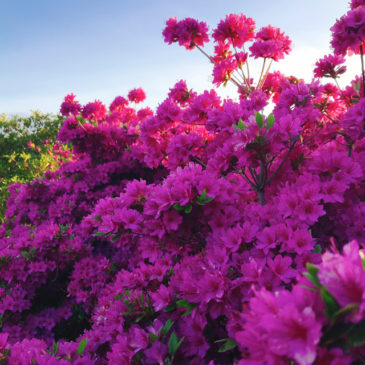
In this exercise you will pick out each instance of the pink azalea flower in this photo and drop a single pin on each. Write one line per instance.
(270, 43)
(328, 66)
(136, 95)
(235, 29)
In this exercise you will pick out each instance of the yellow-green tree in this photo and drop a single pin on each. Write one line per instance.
(27, 149)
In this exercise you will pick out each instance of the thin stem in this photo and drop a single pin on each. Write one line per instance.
(281, 164)
(266, 73)
(337, 84)
(81, 125)
(246, 80)
(243, 174)
(260, 187)
(262, 72)
(248, 69)
(363, 70)
(212, 61)
(204, 53)
(253, 174)
(199, 161)
(185, 122)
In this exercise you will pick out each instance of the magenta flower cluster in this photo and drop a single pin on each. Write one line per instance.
(231, 36)
(204, 232)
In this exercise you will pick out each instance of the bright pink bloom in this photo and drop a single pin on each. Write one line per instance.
(181, 94)
(348, 33)
(144, 113)
(281, 266)
(188, 32)
(355, 3)
(235, 29)
(136, 95)
(283, 326)
(221, 52)
(192, 328)
(138, 339)
(94, 111)
(328, 66)
(344, 276)
(300, 242)
(121, 352)
(118, 103)
(70, 106)
(161, 298)
(270, 43)
(222, 70)
(241, 58)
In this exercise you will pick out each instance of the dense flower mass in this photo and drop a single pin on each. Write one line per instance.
(348, 33)
(205, 232)
(355, 3)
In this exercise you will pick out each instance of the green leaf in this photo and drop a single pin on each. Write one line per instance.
(346, 310)
(187, 312)
(25, 254)
(98, 234)
(203, 201)
(140, 318)
(357, 86)
(355, 99)
(129, 305)
(330, 301)
(362, 256)
(235, 127)
(270, 120)
(183, 303)
(174, 344)
(229, 344)
(188, 208)
(54, 348)
(317, 249)
(204, 193)
(167, 326)
(356, 336)
(259, 119)
(170, 308)
(177, 206)
(152, 337)
(115, 237)
(241, 125)
(312, 274)
(81, 347)
(335, 333)
(141, 303)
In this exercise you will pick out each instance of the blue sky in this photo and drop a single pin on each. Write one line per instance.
(101, 49)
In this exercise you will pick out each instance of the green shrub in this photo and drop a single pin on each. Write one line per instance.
(27, 149)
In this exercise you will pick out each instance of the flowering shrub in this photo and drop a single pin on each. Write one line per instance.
(206, 232)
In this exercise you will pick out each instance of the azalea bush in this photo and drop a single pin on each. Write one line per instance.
(28, 148)
(207, 232)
